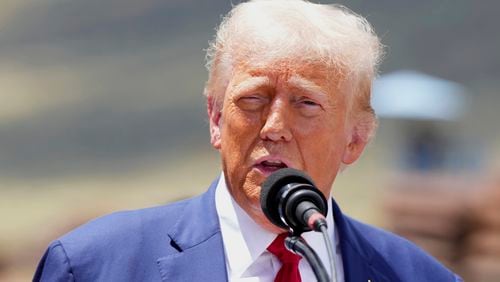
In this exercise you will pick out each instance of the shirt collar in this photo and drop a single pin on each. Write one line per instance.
(245, 240)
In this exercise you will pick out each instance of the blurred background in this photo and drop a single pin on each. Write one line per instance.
(102, 110)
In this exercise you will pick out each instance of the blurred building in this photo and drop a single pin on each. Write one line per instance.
(435, 197)
(428, 112)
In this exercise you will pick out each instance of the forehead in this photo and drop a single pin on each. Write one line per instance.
(293, 72)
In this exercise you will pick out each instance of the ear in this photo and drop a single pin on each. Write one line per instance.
(354, 147)
(214, 116)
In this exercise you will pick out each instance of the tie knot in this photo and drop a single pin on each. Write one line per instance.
(277, 248)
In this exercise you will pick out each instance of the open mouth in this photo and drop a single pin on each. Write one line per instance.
(269, 166)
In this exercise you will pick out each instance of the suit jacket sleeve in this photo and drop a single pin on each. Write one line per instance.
(54, 265)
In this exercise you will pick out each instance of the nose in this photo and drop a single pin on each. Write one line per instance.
(277, 123)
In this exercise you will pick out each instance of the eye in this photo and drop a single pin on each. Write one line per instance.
(309, 107)
(251, 102)
(309, 103)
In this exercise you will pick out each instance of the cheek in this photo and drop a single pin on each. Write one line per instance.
(322, 152)
(322, 148)
(322, 134)
(238, 136)
(238, 131)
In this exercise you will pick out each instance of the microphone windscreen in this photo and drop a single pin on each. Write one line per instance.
(271, 187)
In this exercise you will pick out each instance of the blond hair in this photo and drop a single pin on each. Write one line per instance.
(291, 29)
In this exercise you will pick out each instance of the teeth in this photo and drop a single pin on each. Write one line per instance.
(274, 163)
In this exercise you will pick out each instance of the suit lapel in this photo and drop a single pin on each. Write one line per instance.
(361, 261)
(197, 252)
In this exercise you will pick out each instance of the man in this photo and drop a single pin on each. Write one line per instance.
(289, 86)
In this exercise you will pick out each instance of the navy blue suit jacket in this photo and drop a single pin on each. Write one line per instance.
(182, 242)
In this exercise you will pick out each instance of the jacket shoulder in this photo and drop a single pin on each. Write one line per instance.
(131, 240)
(125, 226)
(408, 261)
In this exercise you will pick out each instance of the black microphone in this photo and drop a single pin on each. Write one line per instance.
(290, 200)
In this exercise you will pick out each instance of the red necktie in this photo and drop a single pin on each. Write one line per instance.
(289, 271)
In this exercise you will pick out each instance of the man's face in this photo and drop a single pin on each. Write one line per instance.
(277, 115)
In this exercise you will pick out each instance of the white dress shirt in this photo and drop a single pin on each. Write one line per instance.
(245, 244)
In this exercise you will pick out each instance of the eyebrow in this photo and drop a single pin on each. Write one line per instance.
(297, 81)
(252, 83)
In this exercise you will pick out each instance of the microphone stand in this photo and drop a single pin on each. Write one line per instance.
(298, 245)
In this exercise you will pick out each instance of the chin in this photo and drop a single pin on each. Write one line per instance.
(258, 216)
(253, 198)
